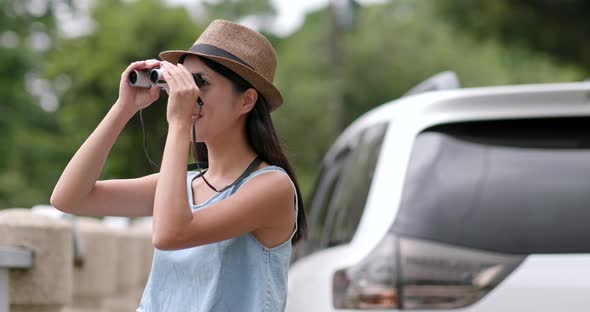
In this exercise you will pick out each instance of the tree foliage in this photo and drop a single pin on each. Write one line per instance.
(392, 47)
(236, 9)
(559, 28)
(26, 143)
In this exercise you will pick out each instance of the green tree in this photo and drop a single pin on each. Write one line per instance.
(236, 9)
(559, 28)
(26, 149)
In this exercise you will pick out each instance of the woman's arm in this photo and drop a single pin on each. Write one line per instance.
(77, 190)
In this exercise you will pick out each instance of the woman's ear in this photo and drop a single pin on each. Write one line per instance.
(249, 98)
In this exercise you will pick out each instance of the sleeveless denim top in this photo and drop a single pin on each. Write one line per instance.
(238, 274)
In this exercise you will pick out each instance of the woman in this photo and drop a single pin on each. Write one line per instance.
(224, 235)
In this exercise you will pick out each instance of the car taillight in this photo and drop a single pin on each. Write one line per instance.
(403, 273)
(371, 284)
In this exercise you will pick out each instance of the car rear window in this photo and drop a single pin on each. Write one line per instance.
(512, 186)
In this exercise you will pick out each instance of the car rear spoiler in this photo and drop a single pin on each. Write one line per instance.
(442, 81)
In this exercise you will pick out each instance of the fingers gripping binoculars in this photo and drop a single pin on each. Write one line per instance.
(153, 77)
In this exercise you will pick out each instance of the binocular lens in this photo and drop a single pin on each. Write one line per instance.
(133, 77)
(155, 75)
(139, 78)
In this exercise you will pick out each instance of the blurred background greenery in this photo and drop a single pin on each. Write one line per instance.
(345, 59)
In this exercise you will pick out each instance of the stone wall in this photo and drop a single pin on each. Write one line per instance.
(105, 272)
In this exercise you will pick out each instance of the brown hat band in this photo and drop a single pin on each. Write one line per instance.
(215, 51)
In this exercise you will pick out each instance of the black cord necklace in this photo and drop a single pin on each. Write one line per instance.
(209, 184)
(253, 165)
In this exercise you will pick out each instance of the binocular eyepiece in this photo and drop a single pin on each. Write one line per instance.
(153, 77)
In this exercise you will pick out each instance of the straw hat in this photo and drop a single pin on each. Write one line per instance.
(240, 49)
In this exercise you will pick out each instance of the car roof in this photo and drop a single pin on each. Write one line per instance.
(449, 102)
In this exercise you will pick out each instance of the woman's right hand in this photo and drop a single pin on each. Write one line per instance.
(133, 98)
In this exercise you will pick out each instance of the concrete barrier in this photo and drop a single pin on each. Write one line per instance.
(134, 249)
(95, 278)
(47, 286)
(110, 272)
(142, 227)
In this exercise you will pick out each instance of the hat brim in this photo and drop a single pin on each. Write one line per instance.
(271, 94)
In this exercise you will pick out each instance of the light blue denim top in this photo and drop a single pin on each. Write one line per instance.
(238, 274)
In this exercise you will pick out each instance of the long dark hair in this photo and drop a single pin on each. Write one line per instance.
(262, 137)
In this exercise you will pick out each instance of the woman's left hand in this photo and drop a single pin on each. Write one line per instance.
(182, 94)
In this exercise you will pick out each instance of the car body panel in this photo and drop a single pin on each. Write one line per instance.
(536, 283)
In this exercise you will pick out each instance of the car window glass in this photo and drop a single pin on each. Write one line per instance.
(320, 201)
(350, 197)
(511, 186)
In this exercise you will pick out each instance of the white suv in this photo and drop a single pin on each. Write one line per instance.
(465, 199)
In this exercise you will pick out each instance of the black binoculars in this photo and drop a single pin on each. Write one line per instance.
(153, 77)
